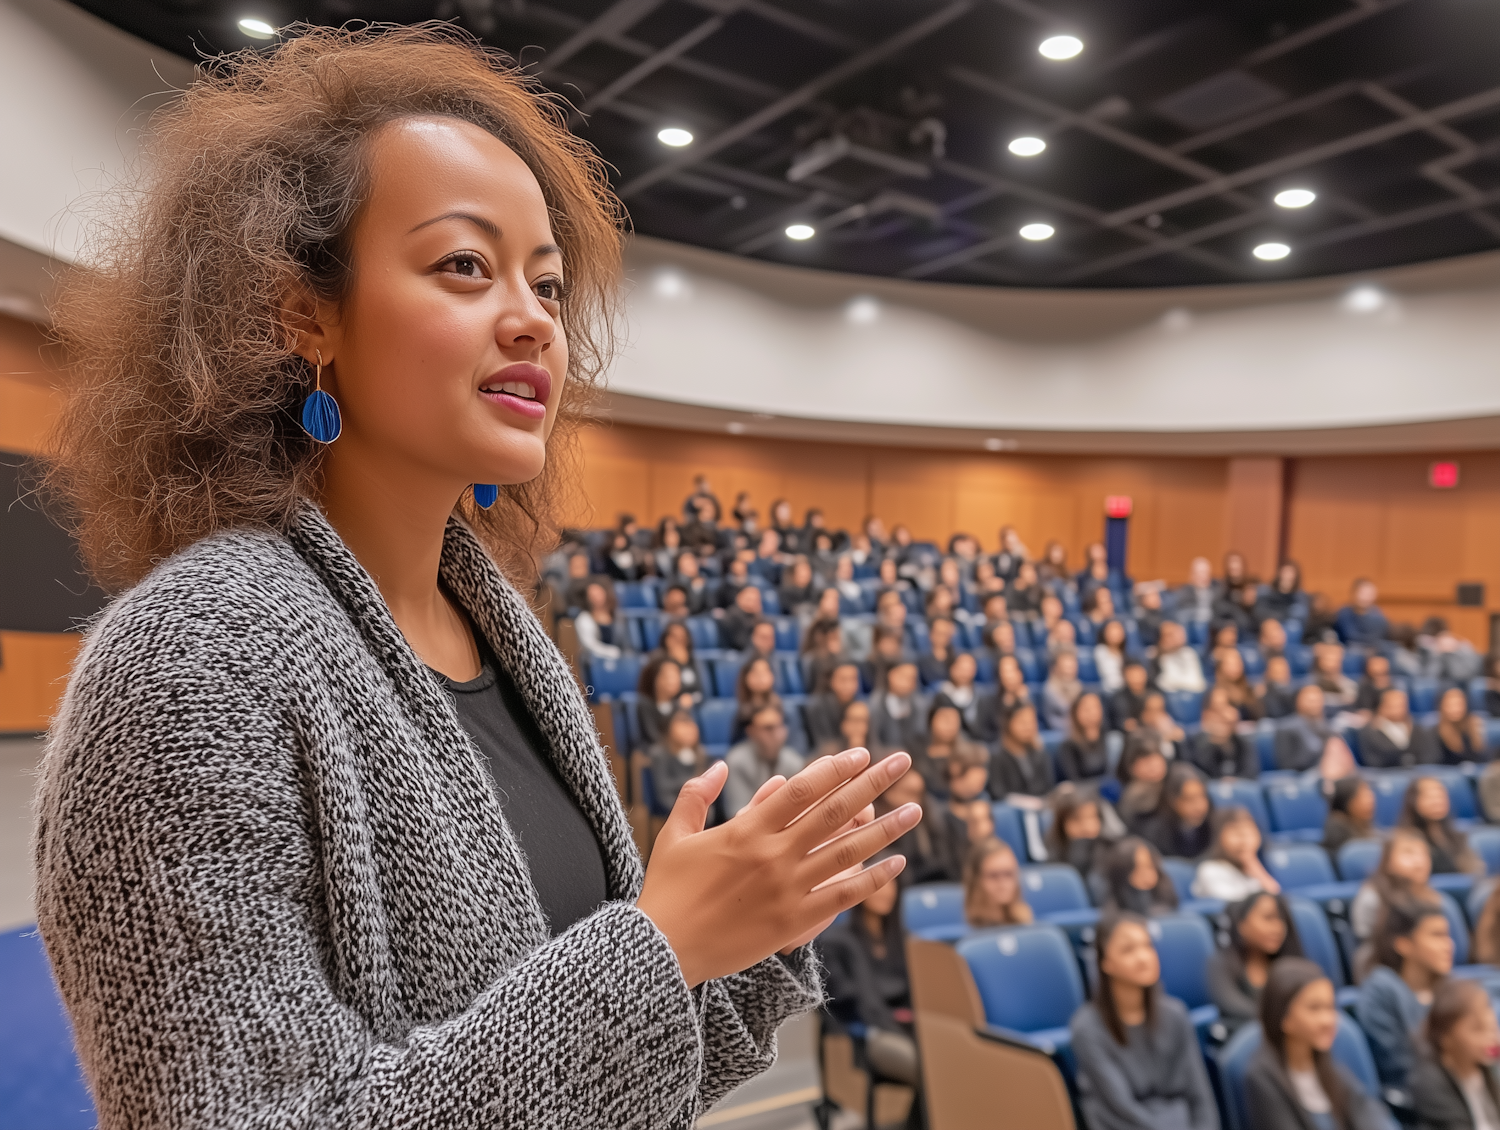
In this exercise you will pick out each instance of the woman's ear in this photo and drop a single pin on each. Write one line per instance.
(307, 325)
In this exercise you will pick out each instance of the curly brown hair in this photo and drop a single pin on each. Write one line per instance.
(183, 415)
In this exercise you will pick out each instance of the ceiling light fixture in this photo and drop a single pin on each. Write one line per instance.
(257, 29)
(675, 136)
(1272, 251)
(1295, 197)
(800, 231)
(1060, 47)
(1364, 299)
(862, 310)
(1037, 231)
(1027, 146)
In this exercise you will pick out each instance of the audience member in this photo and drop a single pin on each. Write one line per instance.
(1300, 737)
(1148, 615)
(1282, 599)
(736, 578)
(1195, 600)
(699, 593)
(1142, 769)
(1459, 734)
(1484, 948)
(1180, 825)
(936, 847)
(1292, 1083)
(1233, 870)
(1220, 752)
(899, 712)
(1156, 718)
(824, 711)
(1426, 810)
(598, 634)
(738, 622)
(1277, 692)
(1271, 639)
(1110, 656)
(1139, 1061)
(1077, 834)
(574, 592)
(823, 650)
(1443, 656)
(1223, 638)
(853, 733)
(677, 645)
(1084, 753)
(1453, 1085)
(1261, 932)
(959, 692)
(1020, 771)
(1023, 595)
(1413, 953)
(1229, 677)
(1372, 684)
(659, 696)
(674, 602)
(762, 642)
(1099, 606)
(1012, 694)
(1392, 739)
(886, 650)
(968, 770)
(677, 757)
(1000, 639)
(1134, 880)
(1360, 623)
(1052, 569)
(1401, 875)
(754, 688)
(1061, 637)
(932, 665)
(1339, 690)
(992, 886)
(1351, 814)
(763, 755)
(1177, 667)
(1061, 690)
(1125, 704)
(944, 730)
(702, 494)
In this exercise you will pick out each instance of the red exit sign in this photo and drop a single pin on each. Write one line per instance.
(1118, 506)
(1443, 476)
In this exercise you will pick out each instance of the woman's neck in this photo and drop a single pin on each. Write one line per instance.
(1257, 966)
(1299, 1055)
(1417, 976)
(1461, 1067)
(1130, 1002)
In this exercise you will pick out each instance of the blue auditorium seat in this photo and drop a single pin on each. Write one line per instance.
(634, 594)
(704, 631)
(716, 720)
(1031, 666)
(1458, 926)
(796, 728)
(1054, 888)
(1010, 828)
(1350, 1048)
(770, 601)
(788, 674)
(1304, 869)
(1028, 981)
(1181, 872)
(934, 911)
(1476, 688)
(1244, 794)
(1461, 802)
(1390, 789)
(611, 678)
(1184, 944)
(41, 1084)
(1358, 858)
(788, 634)
(1319, 944)
(726, 669)
(1088, 672)
(1298, 810)
(1486, 842)
(1185, 706)
(1422, 695)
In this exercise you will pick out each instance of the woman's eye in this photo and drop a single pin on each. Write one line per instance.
(465, 265)
(549, 290)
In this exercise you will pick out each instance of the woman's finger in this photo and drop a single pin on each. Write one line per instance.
(764, 791)
(690, 813)
(853, 848)
(835, 898)
(808, 787)
(831, 813)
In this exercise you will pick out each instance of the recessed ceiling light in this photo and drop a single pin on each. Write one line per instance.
(800, 231)
(675, 136)
(1271, 251)
(1027, 146)
(671, 283)
(1295, 197)
(1037, 231)
(1060, 47)
(257, 29)
(862, 310)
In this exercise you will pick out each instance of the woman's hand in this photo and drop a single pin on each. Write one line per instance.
(780, 871)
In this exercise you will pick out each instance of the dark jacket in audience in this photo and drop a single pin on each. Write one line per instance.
(1082, 760)
(1438, 1099)
(1235, 758)
(735, 628)
(1155, 1079)
(1389, 1012)
(1237, 999)
(652, 720)
(865, 986)
(670, 772)
(1029, 776)
(897, 723)
(821, 714)
(1299, 744)
(1378, 750)
(1279, 700)
(1125, 705)
(934, 849)
(1271, 1103)
(931, 669)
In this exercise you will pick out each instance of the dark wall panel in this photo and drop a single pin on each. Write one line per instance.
(43, 585)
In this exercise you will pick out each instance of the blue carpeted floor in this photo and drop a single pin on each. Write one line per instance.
(41, 1085)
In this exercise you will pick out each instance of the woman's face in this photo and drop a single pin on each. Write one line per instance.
(945, 724)
(1143, 875)
(597, 598)
(1130, 957)
(1104, 603)
(963, 670)
(1090, 711)
(668, 682)
(1231, 666)
(1431, 801)
(1066, 667)
(1312, 1016)
(967, 784)
(1393, 706)
(1310, 702)
(1149, 767)
(1083, 824)
(1263, 929)
(1000, 878)
(1191, 803)
(682, 733)
(1362, 804)
(782, 515)
(1453, 706)
(760, 679)
(856, 726)
(1114, 635)
(1240, 839)
(844, 570)
(447, 356)
(1476, 1037)
(1430, 945)
(1286, 578)
(1009, 674)
(763, 637)
(828, 605)
(1004, 637)
(1227, 636)
(844, 682)
(1023, 726)
(888, 571)
(675, 639)
(1410, 860)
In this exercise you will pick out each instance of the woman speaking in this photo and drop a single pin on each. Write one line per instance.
(326, 836)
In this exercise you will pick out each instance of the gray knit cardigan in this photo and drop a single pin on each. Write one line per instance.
(278, 890)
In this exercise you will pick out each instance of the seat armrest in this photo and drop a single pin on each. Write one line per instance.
(1012, 1039)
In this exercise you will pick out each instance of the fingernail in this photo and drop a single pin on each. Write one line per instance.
(908, 815)
(852, 759)
(900, 762)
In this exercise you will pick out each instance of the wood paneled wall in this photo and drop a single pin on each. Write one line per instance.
(1179, 502)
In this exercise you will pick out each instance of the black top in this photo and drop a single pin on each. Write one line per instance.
(562, 852)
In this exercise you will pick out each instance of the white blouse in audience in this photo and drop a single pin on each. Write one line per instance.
(1220, 879)
(1111, 667)
(589, 636)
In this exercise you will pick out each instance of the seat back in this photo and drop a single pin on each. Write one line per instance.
(1299, 865)
(1358, 859)
(1316, 936)
(1457, 926)
(1182, 873)
(1027, 976)
(1051, 887)
(1390, 789)
(1184, 943)
(963, 1072)
(1352, 1049)
(934, 908)
(716, 720)
(1486, 842)
(1296, 805)
(1234, 1063)
(704, 631)
(788, 674)
(726, 669)
(1185, 706)
(41, 1083)
(611, 678)
(1245, 794)
(1010, 827)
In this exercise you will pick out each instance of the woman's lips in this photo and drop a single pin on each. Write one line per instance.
(523, 388)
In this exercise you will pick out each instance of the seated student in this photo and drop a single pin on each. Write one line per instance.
(674, 602)
(1224, 637)
(1180, 826)
(1292, 1083)
(1233, 870)
(762, 640)
(736, 624)
(1261, 932)
(1110, 657)
(798, 589)
(1084, 754)
(1283, 597)
(762, 755)
(1459, 733)
(754, 687)
(968, 771)
(1351, 814)
(1229, 677)
(1220, 752)
(992, 886)
(1099, 606)
(933, 666)
(1339, 690)
(1061, 637)
(1132, 878)
(1177, 666)
(1012, 694)
(700, 594)
(1271, 639)
(1393, 739)
(854, 729)
(1413, 953)
(659, 695)
(1139, 1062)
(1148, 614)
(1052, 570)
(1077, 834)
(941, 603)
(1050, 617)
(887, 648)
(958, 691)
(935, 849)
(1024, 594)
(677, 645)
(864, 962)
(1300, 738)
(1453, 1084)
(824, 711)
(1360, 623)
(1402, 873)
(1021, 771)
(736, 577)
(898, 711)
(1426, 810)
(1000, 639)
(944, 731)
(1060, 691)
(677, 757)
(1125, 704)
(1277, 694)
(1372, 684)
(598, 634)
(1141, 770)
(1156, 718)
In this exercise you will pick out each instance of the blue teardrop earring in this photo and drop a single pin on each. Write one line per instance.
(320, 411)
(485, 494)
